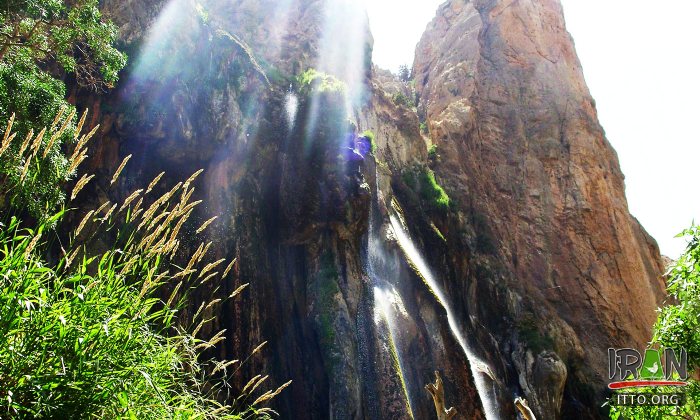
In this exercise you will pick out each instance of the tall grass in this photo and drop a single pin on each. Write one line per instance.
(90, 336)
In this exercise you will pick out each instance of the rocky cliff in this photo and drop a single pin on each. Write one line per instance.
(521, 148)
(365, 278)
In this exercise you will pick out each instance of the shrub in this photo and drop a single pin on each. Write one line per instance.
(314, 81)
(368, 134)
(88, 336)
(423, 181)
(35, 36)
(432, 192)
(404, 73)
(424, 128)
(432, 152)
(677, 327)
(401, 99)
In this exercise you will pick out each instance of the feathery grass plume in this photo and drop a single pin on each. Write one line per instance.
(154, 182)
(26, 142)
(25, 170)
(257, 349)
(210, 266)
(37, 142)
(109, 213)
(174, 294)
(102, 207)
(186, 195)
(54, 136)
(209, 277)
(201, 324)
(83, 222)
(32, 244)
(8, 130)
(79, 127)
(120, 169)
(179, 224)
(212, 303)
(189, 207)
(270, 395)
(148, 214)
(204, 252)
(206, 224)
(199, 310)
(6, 143)
(250, 383)
(192, 178)
(82, 182)
(165, 374)
(57, 119)
(229, 267)
(84, 140)
(238, 290)
(74, 163)
(223, 365)
(130, 198)
(256, 384)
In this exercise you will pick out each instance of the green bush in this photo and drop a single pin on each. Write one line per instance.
(404, 73)
(402, 99)
(677, 327)
(432, 192)
(424, 128)
(370, 135)
(422, 180)
(314, 81)
(432, 152)
(35, 36)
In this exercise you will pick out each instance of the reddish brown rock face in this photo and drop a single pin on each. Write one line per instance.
(520, 145)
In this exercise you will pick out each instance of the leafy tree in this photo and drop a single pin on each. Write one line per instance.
(72, 34)
(404, 73)
(677, 327)
(38, 39)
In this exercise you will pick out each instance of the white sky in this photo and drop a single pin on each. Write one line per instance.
(642, 64)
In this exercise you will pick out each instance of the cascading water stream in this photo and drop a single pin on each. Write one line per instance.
(478, 368)
(383, 299)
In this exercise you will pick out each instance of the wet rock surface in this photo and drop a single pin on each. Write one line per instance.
(535, 251)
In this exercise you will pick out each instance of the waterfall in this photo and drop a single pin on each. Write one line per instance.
(479, 369)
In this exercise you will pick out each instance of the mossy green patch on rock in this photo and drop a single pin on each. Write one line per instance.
(422, 180)
(326, 289)
(532, 335)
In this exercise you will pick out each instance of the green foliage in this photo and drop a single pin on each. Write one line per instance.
(87, 335)
(314, 81)
(423, 181)
(432, 192)
(36, 35)
(424, 127)
(402, 99)
(404, 73)
(432, 152)
(530, 333)
(677, 327)
(368, 134)
(33, 96)
(326, 290)
(72, 34)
